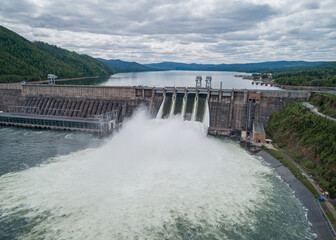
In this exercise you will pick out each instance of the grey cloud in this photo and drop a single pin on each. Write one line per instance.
(311, 4)
(145, 17)
(190, 31)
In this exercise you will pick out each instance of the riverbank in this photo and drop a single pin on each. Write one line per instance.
(314, 213)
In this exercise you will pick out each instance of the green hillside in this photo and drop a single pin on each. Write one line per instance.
(310, 138)
(22, 60)
(316, 77)
(325, 102)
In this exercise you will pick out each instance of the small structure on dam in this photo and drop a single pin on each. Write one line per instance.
(198, 81)
(208, 82)
(52, 79)
(259, 135)
(101, 109)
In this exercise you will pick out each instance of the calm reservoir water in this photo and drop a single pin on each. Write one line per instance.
(154, 179)
(173, 79)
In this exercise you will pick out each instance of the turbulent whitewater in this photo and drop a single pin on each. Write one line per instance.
(155, 179)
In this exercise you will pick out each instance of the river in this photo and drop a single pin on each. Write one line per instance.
(154, 179)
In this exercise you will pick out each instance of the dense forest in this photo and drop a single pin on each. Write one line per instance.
(325, 102)
(311, 139)
(22, 60)
(317, 77)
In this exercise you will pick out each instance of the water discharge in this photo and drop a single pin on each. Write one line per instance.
(189, 106)
(178, 104)
(155, 179)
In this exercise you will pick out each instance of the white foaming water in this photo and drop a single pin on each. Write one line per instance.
(160, 112)
(206, 118)
(194, 111)
(172, 108)
(139, 184)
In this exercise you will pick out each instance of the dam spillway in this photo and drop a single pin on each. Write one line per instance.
(179, 103)
(202, 104)
(190, 102)
(190, 106)
(230, 111)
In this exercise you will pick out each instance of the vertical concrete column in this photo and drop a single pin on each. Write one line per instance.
(231, 108)
(257, 112)
(143, 92)
(220, 95)
(151, 102)
(247, 109)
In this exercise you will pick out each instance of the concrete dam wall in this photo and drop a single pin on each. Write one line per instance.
(234, 111)
(230, 111)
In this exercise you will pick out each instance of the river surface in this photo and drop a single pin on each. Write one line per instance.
(174, 79)
(154, 179)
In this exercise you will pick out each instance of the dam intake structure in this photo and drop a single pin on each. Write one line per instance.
(101, 109)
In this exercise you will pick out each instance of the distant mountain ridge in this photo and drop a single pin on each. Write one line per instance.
(123, 66)
(22, 60)
(276, 66)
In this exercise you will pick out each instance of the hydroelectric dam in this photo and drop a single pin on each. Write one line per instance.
(101, 109)
(206, 186)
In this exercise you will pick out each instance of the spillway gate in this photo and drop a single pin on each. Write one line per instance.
(190, 105)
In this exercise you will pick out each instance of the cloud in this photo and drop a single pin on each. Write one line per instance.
(204, 31)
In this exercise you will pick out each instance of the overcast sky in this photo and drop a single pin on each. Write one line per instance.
(201, 31)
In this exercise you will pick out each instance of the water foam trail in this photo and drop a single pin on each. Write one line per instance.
(172, 108)
(194, 111)
(160, 112)
(153, 180)
(184, 106)
(206, 118)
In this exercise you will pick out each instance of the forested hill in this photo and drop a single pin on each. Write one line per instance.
(123, 66)
(269, 67)
(310, 138)
(317, 77)
(22, 60)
